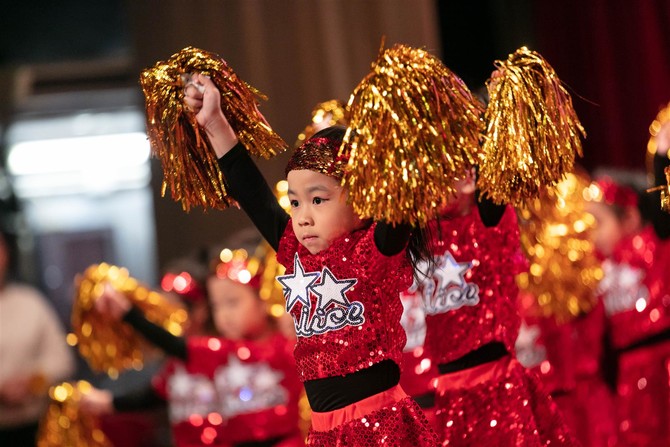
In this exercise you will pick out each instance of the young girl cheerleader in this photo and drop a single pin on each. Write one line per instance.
(563, 326)
(483, 394)
(236, 389)
(635, 293)
(342, 284)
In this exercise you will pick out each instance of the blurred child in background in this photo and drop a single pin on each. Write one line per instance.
(235, 388)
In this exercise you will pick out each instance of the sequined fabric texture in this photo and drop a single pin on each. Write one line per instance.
(379, 280)
(508, 408)
(635, 288)
(400, 425)
(232, 391)
(488, 259)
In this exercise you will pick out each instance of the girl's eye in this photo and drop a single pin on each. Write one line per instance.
(318, 200)
(294, 203)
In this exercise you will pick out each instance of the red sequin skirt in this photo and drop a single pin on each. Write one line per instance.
(389, 418)
(498, 403)
(643, 396)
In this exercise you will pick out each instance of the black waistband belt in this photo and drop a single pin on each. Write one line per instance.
(333, 393)
(487, 353)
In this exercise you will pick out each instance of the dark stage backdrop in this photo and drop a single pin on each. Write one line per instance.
(614, 56)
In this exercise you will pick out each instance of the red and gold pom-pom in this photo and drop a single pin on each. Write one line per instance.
(64, 425)
(533, 132)
(324, 114)
(413, 128)
(189, 164)
(113, 346)
(564, 271)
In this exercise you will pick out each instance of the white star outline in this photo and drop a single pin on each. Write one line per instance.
(448, 271)
(296, 284)
(332, 290)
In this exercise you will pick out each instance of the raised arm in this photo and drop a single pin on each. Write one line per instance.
(115, 305)
(243, 179)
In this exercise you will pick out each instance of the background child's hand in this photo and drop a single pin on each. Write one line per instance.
(97, 402)
(112, 303)
(204, 99)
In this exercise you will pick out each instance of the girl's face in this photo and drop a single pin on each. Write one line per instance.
(319, 210)
(237, 311)
(608, 230)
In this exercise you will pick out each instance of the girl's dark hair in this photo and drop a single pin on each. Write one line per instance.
(420, 254)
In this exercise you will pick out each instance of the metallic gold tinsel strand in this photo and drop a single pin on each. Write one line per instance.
(324, 114)
(64, 425)
(189, 164)
(663, 118)
(533, 132)
(113, 346)
(564, 271)
(414, 127)
(665, 191)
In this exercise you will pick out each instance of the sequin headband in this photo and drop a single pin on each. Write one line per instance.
(319, 154)
(183, 285)
(238, 266)
(607, 191)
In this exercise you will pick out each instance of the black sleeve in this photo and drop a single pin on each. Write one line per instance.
(143, 399)
(391, 239)
(659, 218)
(246, 184)
(489, 211)
(170, 344)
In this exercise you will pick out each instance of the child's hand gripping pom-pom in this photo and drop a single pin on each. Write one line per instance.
(414, 127)
(533, 132)
(189, 164)
(104, 340)
(65, 424)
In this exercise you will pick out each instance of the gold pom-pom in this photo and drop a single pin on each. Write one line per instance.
(564, 270)
(189, 164)
(113, 346)
(413, 128)
(64, 425)
(324, 114)
(533, 132)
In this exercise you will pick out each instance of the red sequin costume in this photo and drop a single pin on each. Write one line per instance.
(568, 359)
(230, 392)
(636, 293)
(346, 307)
(471, 302)
(419, 370)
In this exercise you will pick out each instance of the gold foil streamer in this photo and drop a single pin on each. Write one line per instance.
(189, 164)
(414, 127)
(324, 114)
(64, 425)
(564, 271)
(665, 191)
(113, 346)
(533, 132)
(663, 118)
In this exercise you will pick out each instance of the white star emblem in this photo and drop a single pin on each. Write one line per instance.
(296, 286)
(448, 271)
(331, 290)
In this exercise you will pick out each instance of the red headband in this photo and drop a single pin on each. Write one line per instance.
(612, 193)
(238, 266)
(319, 154)
(183, 285)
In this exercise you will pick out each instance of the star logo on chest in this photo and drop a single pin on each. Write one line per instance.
(331, 290)
(297, 285)
(448, 271)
